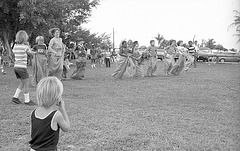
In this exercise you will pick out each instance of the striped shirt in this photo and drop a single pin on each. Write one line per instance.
(20, 53)
(191, 49)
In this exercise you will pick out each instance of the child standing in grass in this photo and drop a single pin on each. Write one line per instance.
(49, 116)
(20, 50)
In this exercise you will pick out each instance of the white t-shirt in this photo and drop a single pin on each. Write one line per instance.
(196, 48)
(108, 54)
(182, 50)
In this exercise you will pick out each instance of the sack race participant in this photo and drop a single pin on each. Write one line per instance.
(138, 60)
(179, 64)
(152, 63)
(131, 65)
(81, 58)
(56, 49)
(123, 61)
(169, 57)
(39, 61)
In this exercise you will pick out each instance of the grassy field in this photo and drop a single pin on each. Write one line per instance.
(196, 111)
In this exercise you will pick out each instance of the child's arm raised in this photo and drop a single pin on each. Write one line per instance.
(62, 118)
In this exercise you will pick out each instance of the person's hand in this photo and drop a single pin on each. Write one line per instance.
(61, 106)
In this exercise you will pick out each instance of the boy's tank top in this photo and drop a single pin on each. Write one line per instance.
(43, 137)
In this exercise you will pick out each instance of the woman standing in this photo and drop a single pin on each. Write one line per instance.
(56, 48)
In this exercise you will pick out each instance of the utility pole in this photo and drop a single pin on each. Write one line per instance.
(113, 41)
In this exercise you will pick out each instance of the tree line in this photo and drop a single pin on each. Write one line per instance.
(210, 43)
(38, 16)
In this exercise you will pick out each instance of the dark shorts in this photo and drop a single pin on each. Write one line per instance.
(21, 73)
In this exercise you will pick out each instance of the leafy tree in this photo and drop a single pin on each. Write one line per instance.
(220, 47)
(105, 41)
(38, 16)
(236, 24)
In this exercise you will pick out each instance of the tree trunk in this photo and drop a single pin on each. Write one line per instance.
(6, 44)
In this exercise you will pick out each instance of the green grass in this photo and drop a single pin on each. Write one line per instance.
(196, 111)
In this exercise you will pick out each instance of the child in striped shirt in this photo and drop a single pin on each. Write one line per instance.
(20, 50)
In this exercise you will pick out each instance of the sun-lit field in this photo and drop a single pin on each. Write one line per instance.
(196, 111)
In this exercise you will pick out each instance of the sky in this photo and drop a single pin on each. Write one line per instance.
(142, 20)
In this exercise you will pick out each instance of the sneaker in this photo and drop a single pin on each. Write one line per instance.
(153, 75)
(16, 100)
(30, 103)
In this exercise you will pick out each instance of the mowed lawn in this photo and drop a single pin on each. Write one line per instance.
(196, 111)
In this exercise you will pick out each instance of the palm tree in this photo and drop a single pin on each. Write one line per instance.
(160, 39)
(210, 43)
(236, 24)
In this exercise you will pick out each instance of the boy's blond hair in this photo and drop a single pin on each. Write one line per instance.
(49, 91)
(21, 37)
(39, 39)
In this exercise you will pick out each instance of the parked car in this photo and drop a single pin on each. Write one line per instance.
(229, 57)
(160, 54)
(204, 54)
